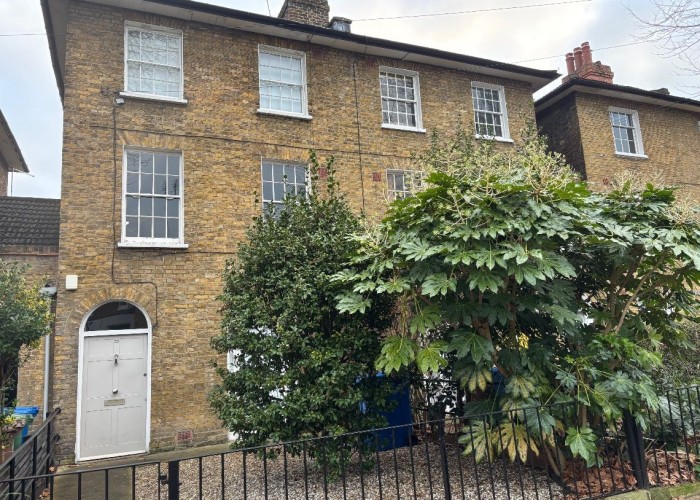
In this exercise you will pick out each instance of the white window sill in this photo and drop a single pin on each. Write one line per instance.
(151, 244)
(494, 138)
(631, 156)
(152, 97)
(272, 112)
(406, 129)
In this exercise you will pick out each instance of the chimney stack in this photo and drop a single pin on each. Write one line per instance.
(314, 12)
(580, 65)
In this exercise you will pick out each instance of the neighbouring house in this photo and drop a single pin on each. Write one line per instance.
(181, 121)
(604, 128)
(29, 236)
(11, 159)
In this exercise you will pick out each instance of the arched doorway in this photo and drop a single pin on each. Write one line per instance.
(114, 382)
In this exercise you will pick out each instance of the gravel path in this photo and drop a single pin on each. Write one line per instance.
(501, 480)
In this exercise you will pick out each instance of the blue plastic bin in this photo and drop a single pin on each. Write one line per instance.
(28, 414)
(401, 416)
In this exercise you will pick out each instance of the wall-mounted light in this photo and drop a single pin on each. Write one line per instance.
(118, 101)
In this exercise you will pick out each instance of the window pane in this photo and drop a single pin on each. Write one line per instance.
(132, 227)
(173, 207)
(278, 191)
(161, 164)
(145, 227)
(132, 183)
(267, 191)
(132, 205)
(267, 171)
(132, 162)
(174, 165)
(161, 184)
(146, 183)
(146, 206)
(159, 207)
(159, 227)
(173, 185)
(173, 228)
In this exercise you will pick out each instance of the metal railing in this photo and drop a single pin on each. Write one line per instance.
(34, 457)
(438, 458)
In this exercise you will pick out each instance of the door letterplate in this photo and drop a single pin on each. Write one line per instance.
(115, 402)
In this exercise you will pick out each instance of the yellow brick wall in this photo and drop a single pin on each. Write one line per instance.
(670, 136)
(223, 140)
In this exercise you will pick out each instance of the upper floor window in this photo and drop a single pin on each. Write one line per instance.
(282, 76)
(280, 179)
(403, 183)
(490, 116)
(153, 61)
(400, 91)
(626, 132)
(152, 205)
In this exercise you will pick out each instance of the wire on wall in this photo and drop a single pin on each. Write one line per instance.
(114, 212)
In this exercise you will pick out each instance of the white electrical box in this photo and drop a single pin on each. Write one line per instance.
(71, 282)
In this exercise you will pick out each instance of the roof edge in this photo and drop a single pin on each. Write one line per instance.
(536, 77)
(48, 26)
(614, 90)
(16, 151)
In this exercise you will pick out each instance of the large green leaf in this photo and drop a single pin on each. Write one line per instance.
(582, 443)
(466, 343)
(397, 352)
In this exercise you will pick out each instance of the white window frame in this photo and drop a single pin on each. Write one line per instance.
(143, 95)
(639, 144)
(416, 88)
(406, 173)
(141, 242)
(504, 112)
(268, 49)
(264, 160)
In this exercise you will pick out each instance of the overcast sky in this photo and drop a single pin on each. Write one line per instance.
(536, 36)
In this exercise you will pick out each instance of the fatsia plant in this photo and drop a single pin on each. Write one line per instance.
(508, 260)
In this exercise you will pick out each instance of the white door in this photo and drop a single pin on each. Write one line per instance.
(114, 395)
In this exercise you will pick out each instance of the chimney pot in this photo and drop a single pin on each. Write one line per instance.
(570, 68)
(587, 54)
(578, 58)
(580, 65)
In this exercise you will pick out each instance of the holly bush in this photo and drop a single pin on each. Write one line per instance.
(508, 259)
(300, 368)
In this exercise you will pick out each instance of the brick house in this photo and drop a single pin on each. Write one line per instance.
(603, 128)
(29, 236)
(181, 120)
(11, 159)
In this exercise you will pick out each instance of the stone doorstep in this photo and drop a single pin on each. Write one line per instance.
(93, 483)
(164, 456)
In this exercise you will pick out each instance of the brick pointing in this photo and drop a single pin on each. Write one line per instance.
(313, 12)
(670, 136)
(560, 124)
(223, 140)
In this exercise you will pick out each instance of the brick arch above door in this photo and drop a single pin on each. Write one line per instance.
(141, 295)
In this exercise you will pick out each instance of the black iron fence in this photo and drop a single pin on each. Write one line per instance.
(34, 457)
(516, 454)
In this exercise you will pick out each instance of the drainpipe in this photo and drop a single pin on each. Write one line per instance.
(47, 358)
(49, 291)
